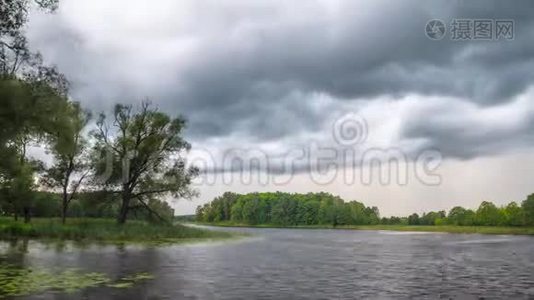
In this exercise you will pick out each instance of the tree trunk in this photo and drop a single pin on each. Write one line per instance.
(125, 205)
(64, 213)
(64, 206)
(27, 214)
(123, 213)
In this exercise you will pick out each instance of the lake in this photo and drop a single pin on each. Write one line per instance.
(300, 264)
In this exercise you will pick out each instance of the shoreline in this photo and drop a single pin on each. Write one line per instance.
(106, 231)
(496, 230)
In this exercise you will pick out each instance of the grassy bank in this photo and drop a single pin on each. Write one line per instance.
(416, 228)
(105, 230)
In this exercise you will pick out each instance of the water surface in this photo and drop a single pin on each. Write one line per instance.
(302, 264)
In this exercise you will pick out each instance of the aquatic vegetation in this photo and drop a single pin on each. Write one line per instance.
(138, 277)
(129, 281)
(17, 281)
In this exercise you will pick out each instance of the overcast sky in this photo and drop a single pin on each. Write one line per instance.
(279, 76)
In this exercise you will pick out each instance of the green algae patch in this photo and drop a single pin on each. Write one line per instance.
(17, 281)
(130, 280)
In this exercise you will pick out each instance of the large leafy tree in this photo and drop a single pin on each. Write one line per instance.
(461, 216)
(68, 146)
(24, 78)
(142, 153)
(32, 95)
(514, 215)
(489, 215)
(29, 111)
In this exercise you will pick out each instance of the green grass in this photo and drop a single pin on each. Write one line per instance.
(416, 228)
(105, 230)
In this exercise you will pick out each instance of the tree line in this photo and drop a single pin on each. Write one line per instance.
(286, 209)
(133, 157)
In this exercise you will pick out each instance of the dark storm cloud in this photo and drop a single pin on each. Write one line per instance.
(354, 56)
(255, 66)
(359, 55)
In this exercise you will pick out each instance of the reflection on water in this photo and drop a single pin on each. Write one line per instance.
(299, 264)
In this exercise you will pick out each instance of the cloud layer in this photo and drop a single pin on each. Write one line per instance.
(276, 74)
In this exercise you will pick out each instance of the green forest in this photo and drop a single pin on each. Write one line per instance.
(285, 209)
